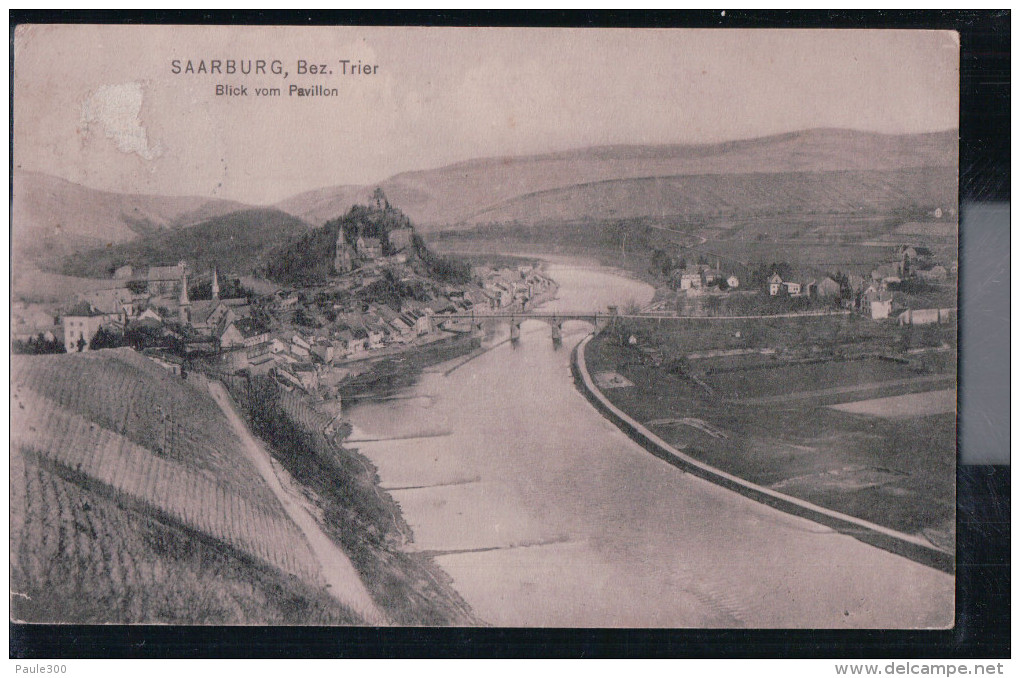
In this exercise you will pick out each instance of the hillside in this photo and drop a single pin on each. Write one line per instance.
(310, 257)
(465, 193)
(235, 242)
(121, 515)
(705, 197)
(52, 217)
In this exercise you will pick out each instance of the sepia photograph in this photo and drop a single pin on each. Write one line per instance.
(484, 327)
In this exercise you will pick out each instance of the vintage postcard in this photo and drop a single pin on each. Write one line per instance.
(484, 326)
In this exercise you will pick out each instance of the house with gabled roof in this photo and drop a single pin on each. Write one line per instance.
(876, 302)
(80, 326)
(775, 284)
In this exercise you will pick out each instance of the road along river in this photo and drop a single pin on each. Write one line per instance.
(545, 514)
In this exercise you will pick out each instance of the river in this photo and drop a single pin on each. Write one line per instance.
(545, 514)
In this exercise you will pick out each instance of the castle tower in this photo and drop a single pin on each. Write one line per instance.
(215, 285)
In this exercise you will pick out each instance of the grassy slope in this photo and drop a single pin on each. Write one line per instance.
(109, 524)
(31, 284)
(234, 242)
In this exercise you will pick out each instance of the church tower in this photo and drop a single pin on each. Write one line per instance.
(183, 303)
(215, 285)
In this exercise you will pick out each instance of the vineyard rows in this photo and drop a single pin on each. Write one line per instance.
(128, 394)
(59, 539)
(43, 428)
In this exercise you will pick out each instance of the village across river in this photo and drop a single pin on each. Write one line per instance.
(545, 514)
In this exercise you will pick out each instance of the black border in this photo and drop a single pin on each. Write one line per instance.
(983, 492)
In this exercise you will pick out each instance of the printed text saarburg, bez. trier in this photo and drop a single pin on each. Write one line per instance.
(270, 67)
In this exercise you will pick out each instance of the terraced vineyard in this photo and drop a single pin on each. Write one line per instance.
(106, 529)
(130, 395)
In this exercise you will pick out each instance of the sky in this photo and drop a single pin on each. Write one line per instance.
(100, 105)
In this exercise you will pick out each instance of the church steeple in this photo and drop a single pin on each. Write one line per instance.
(215, 284)
(183, 303)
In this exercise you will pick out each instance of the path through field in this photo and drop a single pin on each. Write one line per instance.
(344, 583)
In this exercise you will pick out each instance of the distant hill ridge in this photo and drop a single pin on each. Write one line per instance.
(711, 196)
(929, 142)
(235, 242)
(50, 214)
(53, 217)
(457, 194)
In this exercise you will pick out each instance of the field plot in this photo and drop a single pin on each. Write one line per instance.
(787, 379)
(824, 383)
(772, 422)
(106, 529)
(910, 405)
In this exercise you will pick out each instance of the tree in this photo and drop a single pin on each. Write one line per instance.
(144, 334)
(662, 263)
(106, 338)
(37, 345)
(301, 317)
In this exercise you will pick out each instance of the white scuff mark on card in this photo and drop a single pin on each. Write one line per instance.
(115, 109)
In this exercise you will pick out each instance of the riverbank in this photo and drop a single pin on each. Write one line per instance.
(342, 487)
(886, 481)
(383, 376)
(610, 260)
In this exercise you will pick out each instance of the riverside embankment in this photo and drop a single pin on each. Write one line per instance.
(911, 546)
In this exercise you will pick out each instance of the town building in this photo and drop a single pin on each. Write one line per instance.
(165, 281)
(111, 300)
(690, 278)
(400, 239)
(826, 287)
(876, 302)
(775, 284)
(28, 321)
(369, 248)
(81, 326)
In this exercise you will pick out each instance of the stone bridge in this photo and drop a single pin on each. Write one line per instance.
(602, 318)
(555, 319)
